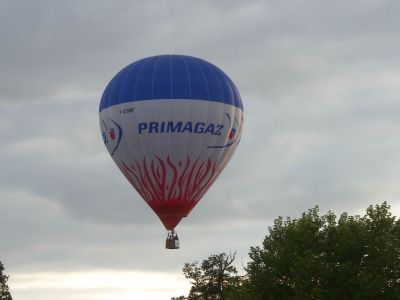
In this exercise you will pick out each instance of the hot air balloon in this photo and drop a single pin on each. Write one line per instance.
(171, 123)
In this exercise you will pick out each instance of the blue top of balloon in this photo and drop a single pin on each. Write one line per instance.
(170, 77)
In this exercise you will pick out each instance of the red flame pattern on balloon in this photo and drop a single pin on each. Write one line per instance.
(163, 180)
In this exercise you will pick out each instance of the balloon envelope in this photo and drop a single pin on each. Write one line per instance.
(171, 123)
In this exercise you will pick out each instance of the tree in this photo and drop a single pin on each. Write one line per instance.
(4, 289)
(320, 257)
(213, 280)
(312, 257)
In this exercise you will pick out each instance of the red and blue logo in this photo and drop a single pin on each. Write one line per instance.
(232, 132)
(112, 135)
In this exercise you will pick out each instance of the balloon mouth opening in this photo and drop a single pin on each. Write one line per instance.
(171, 212)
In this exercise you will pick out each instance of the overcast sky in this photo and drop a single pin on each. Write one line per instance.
(320, 83)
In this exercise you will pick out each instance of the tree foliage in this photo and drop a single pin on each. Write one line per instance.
(312, 257)
(213, 279)
(322, 257)
(4, 289)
